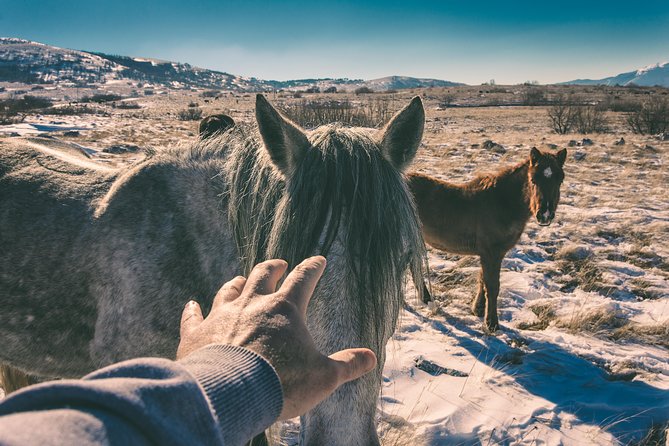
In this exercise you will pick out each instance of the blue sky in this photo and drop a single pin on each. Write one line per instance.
(465, 41)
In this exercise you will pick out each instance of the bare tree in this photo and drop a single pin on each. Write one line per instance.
(562, 114)
(590, 119)
(651, 118)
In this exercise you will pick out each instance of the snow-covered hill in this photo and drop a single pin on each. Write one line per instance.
(32, 62)
(650, 76)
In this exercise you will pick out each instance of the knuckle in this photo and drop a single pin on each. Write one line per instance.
(271, 265)
(233, 285)
(281, 305)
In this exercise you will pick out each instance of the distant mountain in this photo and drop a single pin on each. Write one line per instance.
(402, 82)
(33, 62)
(650, 76)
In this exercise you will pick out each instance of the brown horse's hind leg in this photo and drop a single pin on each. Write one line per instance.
(13, 379)
(418, 281)
(427, 297)
(491, 268)
(478, 306)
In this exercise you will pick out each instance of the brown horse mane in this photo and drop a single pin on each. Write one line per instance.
(485, 181)
(491, 180)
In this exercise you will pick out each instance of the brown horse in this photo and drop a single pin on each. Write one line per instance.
(487, 216)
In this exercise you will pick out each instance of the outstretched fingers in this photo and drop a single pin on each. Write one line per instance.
(302, 280)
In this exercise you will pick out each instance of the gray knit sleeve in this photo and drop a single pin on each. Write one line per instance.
(241, 386)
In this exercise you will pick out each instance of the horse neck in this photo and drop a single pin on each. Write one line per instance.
(515, 188)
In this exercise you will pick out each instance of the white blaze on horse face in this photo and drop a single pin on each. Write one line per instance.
(548, 172)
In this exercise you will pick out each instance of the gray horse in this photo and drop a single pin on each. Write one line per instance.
(96, 264)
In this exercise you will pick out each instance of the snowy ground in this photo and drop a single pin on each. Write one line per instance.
(581, 357)
(582, 354)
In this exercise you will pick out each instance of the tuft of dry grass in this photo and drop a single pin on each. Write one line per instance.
(396, 431)
(594, 320)
(646, 258)
(455, 278)
(583, 273)
(545, 313)
(657, 435)
(644, 290)
(657, 334)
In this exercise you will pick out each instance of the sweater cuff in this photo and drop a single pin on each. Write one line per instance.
(243, 389)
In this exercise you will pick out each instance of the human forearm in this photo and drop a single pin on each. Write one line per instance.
(151, 400)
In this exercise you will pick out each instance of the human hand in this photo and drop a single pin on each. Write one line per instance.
(253, 314)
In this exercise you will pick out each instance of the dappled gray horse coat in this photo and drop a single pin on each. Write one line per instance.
(96, 263)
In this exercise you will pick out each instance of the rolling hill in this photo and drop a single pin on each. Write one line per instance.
(36, 63)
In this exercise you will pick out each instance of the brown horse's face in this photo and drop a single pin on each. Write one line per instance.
(545, 178)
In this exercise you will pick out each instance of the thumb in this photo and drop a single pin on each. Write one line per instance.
(352, 363)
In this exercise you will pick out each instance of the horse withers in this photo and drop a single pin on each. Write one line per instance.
(487, 216)
(97, 263)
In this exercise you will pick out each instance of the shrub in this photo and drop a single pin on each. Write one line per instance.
(651, 118)
(102, 98)
(331, 89)
(128, 106)
(74, 110)
(363, 90)
(311, 114)
(534, 96)
(190, 114)
(590, 119)
(617, 104)
(562, 114)
(447, 100)
(13, 110)
(566, 114)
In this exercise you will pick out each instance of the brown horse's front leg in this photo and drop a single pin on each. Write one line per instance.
(490, 270)
(478, 305)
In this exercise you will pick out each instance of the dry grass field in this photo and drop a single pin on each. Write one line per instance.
(583, 353)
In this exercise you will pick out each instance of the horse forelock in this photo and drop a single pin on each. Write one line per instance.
(343, 190)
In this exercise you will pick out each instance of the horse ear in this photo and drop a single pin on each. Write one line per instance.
(284, 140)
(402, 135)
(535, 156)
(562, 156)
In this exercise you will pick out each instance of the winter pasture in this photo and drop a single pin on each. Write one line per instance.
(582, 355)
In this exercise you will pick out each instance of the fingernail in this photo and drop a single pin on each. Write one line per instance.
(370, 360)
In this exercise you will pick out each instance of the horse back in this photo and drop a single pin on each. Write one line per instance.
(47, 196)
(446, 212)
(463, 219)
(47, 191)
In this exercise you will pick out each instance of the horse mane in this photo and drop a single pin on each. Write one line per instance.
(491, 180)
(343, 185)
